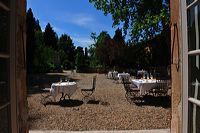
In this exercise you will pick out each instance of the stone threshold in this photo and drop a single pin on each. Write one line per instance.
(102, 131)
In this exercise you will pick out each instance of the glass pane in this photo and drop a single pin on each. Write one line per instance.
(193, 26)
(4, 120)
(4, 28)
(4, 85)
(6, 2)
(194, 77)
(194, 91)
(193, 118)
(189, 2)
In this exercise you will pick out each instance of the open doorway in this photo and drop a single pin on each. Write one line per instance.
(109, 108)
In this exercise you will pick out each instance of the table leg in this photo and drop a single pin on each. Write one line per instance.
(62, 96)
(67, 96)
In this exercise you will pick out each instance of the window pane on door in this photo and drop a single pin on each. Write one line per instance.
(4, 85)
(193, 26)
(194, 77)
(6, 2)
(189, 2)
(4, 28)
(193, 118)
(4, 120)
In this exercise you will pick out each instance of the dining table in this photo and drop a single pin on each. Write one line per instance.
(146, 85)
(123, 75)
(112, 74)
(66, 88)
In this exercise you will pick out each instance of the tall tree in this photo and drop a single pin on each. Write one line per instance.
(66, 43)
(144, 18)
(104, 49)
(118, 37)
(37, 26)
(86, 52)
(80, 59)
(39, 38)
(50, 37)
(93, 61)
(118, 48)
(30, 40)
(94, 36)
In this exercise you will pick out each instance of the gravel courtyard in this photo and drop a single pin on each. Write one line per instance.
(109, 109)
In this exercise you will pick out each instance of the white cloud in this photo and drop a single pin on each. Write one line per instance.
(82, 41)
(79, 19)
(84, 20)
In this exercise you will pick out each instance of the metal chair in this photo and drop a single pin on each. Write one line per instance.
(115, 77)
(88, 92)
(132, 91)
(161, 89)
(45, 98)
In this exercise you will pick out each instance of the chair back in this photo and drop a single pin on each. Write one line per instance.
(125, 80)
(126, 83)
(94, 82)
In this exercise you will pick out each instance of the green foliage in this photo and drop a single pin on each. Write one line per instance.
(37, 25)
(46, 59)
(144, 19)
(44, 52)
(63, 59)
(115, 53)
(101, 49)
(93, 61)
(66, 44)
(50, 37)
(39, 40)
(80, 59)
(110, 52)
(94, 36)
(30, 34)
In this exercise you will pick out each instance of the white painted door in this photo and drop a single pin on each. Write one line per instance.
(191, 65)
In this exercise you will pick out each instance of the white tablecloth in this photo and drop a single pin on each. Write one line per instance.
(123, 75)
(141, 72)
(112, 75)
(146, 84)
(67, 88)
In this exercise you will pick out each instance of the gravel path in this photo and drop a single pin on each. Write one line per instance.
(108, 111)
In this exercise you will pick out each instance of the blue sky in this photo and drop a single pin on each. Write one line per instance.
(77, 18)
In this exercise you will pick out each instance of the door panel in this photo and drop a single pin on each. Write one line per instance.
(5, 90)
(4, 120)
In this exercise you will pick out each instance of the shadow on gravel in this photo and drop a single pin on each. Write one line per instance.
(159, 101)
(93, 102)
(97, 102)
(66, 103)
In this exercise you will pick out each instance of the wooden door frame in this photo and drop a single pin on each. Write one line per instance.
(13, 98)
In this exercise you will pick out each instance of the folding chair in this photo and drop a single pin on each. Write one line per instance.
(46, 97)
(161, 89)
(132, 92)
(88, 92)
